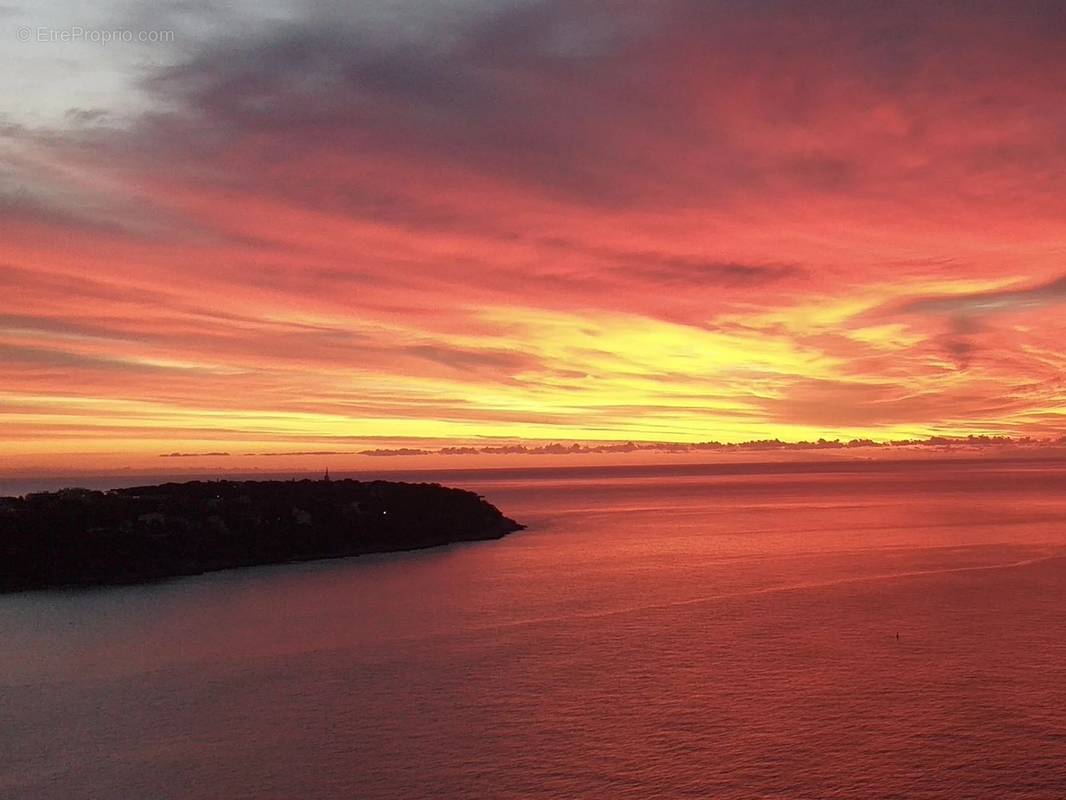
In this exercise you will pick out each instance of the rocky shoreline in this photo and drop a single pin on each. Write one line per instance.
(81, 537)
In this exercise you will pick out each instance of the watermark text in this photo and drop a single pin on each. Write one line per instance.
(78, 33)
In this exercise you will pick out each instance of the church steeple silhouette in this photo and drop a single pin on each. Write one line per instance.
(327, 474)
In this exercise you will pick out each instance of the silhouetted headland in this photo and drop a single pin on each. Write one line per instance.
(80, 537)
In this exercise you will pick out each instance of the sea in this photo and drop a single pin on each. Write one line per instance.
(863, 629)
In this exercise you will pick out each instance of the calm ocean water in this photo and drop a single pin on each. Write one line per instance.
(658, 632)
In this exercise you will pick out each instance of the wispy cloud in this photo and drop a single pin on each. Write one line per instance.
(1002, 301)
(676, 221)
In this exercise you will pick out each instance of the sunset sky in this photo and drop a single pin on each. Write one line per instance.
(433, 223)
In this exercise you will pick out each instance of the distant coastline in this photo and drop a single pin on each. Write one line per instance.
(975, 442)
(83, 537)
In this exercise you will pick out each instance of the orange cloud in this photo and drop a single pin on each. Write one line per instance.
(684, 221)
